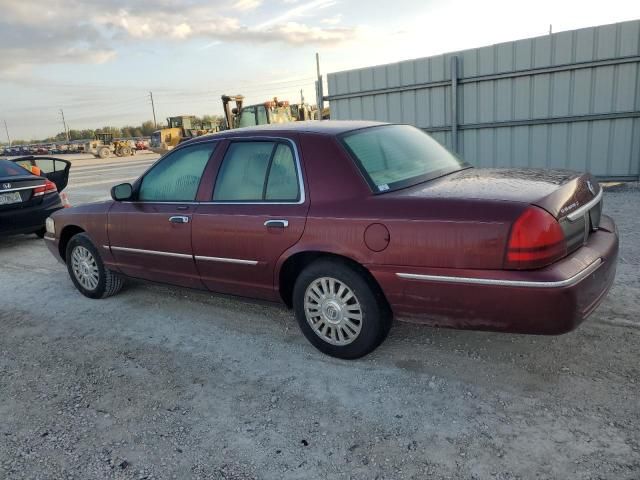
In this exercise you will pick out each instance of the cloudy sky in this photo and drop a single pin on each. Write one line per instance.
(98, 59)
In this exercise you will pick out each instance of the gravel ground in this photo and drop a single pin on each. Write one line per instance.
(160, 382)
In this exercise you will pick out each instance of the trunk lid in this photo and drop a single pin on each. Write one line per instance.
(573, 198)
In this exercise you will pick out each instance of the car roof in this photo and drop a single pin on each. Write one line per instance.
(326, 127)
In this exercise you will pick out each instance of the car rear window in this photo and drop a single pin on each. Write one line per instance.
(398, 156)
(10, 169)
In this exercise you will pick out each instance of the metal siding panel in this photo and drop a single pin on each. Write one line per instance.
(422, 108)
(380, 77)
(468, 98)
(634, 162)
(366, 79)
(627, 78)
(520, 147)
(368, 108)
(578, 147)
(504, 60)
(542, 52)
(603, 88)
(557, 154)
(469, 63)
(581, 92)
(393, 75)
(469, 146)
(408, 101)
(606, 46)
(621, 148)
(522, 92)
(487, 102)
(355, 108)
(438, 68)
(407, 73)
(395, 107)
(353, 80)
(503, 147)
(599, 146)
(563, 48)
(486, 154)
(503, 99)
(331, 84)
(438, 106)
(523, 54)
(486, 60)
(539, 139)
(342, 82)
(561, 94)
(629, 35)
(584, 44)
(541, 92)
(421, 69)
(380, 103)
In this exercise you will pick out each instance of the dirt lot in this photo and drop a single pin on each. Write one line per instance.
(159, 382)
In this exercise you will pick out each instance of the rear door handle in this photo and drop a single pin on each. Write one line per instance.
(280, 223)
(179, 219)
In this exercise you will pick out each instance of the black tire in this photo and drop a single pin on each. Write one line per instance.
(109, 282)
(376, 315)
(40, 233)
(104, 152)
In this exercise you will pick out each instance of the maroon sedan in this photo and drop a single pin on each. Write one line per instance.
(352, 224)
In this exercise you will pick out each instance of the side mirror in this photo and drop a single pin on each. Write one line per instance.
(121, 192)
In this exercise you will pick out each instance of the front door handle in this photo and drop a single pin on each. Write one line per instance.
(179, 219)
(280, 223)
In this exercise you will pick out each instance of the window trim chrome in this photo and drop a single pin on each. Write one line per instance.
(579, 213)
(506, 283)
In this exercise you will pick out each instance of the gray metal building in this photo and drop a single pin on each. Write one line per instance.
(564, 100)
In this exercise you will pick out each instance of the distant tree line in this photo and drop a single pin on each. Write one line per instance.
(144, 130)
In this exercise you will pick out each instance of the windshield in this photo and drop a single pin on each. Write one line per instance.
(10, 169)
(398, 156)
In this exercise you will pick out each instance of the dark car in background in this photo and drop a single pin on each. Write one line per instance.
(352, 224)
(27, 199)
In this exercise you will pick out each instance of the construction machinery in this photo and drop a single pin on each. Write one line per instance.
(272, 111)
(104, 145)
(179, 129)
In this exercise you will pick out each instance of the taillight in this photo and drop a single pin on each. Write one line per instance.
(48, 187)
(536, 240)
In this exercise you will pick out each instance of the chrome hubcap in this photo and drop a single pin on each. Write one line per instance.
(85, 268)
(333, 311)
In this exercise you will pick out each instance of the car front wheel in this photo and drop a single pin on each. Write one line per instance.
(339, 310)
(87, 271)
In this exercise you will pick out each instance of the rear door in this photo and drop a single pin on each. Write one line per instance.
(54, 169)
(257, 211)
(150, 237)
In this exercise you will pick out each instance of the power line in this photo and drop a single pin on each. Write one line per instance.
(6, 129)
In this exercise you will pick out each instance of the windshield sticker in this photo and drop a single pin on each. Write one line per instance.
(383, 188)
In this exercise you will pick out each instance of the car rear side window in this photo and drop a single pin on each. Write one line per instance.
(177, 177)
(11, 169)
(257, 171)
(397, 156)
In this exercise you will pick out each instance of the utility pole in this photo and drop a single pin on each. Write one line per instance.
(153, 109)
(66, 131)
(301, 97)
(319, 92)
(6, 129)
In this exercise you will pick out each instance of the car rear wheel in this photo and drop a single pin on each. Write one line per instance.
(87, 271)
(339, 310)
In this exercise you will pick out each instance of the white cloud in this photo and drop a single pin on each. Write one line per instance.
(335, 20)
(247, 4)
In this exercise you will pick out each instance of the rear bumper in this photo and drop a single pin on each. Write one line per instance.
(552, 300)
(30, 219)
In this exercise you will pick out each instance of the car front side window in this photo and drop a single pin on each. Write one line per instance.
(177, 177)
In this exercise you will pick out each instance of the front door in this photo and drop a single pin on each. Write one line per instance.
(150, 237)
(257, 211)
